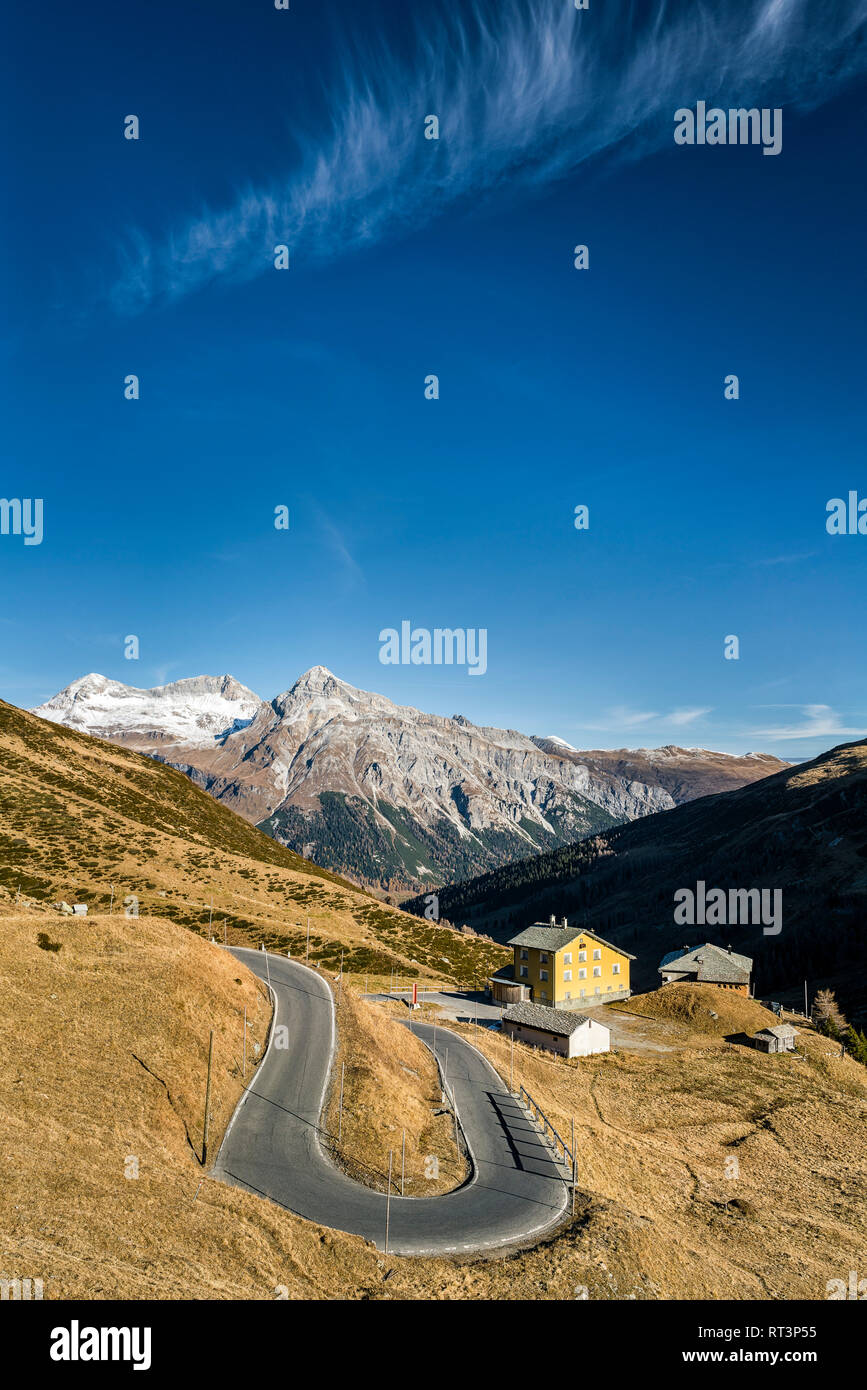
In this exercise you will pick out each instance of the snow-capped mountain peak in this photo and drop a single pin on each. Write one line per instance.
(197, 711)
(550, 743)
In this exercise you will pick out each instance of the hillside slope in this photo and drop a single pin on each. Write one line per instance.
(103, 1193)
(715, 1171)
(83, 820)
(802, 831)
(659, 1214)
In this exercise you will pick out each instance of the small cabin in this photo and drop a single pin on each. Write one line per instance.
(780, 1038)
(503, 988)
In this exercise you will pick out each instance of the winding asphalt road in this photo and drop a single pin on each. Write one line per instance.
(272, 1145)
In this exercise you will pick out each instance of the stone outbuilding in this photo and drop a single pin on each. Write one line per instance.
(780, 1038)
(559, 1030)
(707, 965)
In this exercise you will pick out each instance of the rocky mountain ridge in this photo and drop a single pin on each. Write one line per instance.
(383, 792)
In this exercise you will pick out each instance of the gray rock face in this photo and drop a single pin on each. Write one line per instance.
(381, 791)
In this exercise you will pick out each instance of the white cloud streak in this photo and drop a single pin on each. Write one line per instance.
(679, 717)
(621, 717)
(526, 91)
(819, 721)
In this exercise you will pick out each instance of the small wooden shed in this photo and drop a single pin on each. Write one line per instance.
(780, 1038)
(503, 988)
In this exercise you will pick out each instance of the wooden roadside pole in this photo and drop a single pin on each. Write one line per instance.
(574, 1167)
(307, 957)
(207, 1101)
(388, 1199)
(111, 904)
(244, 1070)
(340, 1110)
(402, 1161)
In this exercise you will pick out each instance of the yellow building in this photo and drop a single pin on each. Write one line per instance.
(565, 967)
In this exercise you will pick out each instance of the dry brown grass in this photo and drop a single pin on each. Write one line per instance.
(79, 816)
(103, 1055)
(655, 1132)
(657, 1218)
(391, 1087)
(694, 1006)
(75, 1105)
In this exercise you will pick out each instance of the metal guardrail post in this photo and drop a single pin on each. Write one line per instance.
(538, 1114)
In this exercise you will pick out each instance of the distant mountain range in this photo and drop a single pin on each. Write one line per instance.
(801, 833)
(382, 792)
(85, 821)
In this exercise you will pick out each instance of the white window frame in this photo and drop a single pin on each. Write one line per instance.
(597, 971)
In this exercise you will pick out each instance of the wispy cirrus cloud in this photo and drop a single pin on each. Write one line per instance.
(680, 717)
(525, 91)
(818, 721)
(621, 717)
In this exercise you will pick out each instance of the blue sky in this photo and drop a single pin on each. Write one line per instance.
(409, 257)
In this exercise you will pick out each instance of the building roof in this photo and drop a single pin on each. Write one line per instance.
(780, 1030)
(547, 938)
(544, 937)
(560, 1021)
(505, 972)
(709, 963)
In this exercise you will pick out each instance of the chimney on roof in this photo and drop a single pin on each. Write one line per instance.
(553, 920)
(729, 948)
(565, 922)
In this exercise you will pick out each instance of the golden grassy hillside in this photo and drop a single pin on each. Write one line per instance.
(701, 1009)
(659, 1134)
(102, 1058)
(391, 1084)
(104, 1028)
(79, 815)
